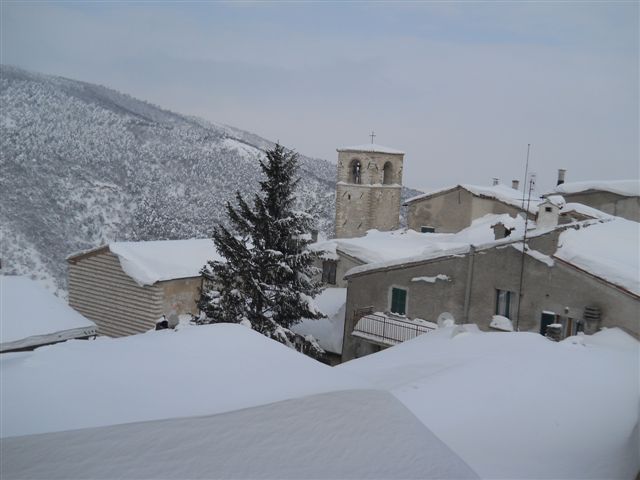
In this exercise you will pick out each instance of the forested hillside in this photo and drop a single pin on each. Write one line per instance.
(83, 165)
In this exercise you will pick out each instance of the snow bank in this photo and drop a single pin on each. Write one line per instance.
(30, 315)
(608, 250)
(165, 374)
(327, 331)
(371, 147)
(627, 188)
(154, 261)
(515, 405)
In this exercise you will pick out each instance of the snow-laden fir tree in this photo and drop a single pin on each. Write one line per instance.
(267, 276)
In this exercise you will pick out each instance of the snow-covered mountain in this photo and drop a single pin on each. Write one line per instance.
(83, 165)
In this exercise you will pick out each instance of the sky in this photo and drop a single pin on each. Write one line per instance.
(461, 87)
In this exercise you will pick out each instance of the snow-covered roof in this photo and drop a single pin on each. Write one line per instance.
(627, 188)
(158, 260)
(608, 250)
(371, 147)
(502, 193)
(327, 331)
(584, 210)
(376, 246)
(428, 246)
(31, 316)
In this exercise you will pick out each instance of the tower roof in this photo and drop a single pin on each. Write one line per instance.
(371, 147)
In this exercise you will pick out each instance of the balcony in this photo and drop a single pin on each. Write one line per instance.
(388, 329)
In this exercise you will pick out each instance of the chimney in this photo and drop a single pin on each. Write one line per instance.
(515, 184)
(496, 181)
(561, 172)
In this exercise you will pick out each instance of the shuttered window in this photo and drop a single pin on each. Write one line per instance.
(399, 301)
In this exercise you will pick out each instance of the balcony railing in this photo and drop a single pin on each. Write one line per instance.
(389, 330)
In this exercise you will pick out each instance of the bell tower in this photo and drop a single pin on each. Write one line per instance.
(368, 189)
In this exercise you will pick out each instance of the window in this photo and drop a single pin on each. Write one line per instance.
(329, 272)
(548, 209)
(398, 301)
(387, 173)
(504, 303)
(427, 229)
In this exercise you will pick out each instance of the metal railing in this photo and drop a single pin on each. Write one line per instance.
(388, 330)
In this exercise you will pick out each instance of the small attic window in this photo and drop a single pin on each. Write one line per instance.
(427, 229)
(548, 209)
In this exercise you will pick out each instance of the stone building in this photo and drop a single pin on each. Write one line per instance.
(368, 189)
(126, 287)
(452, 209)
(573, 285)
(615, 197)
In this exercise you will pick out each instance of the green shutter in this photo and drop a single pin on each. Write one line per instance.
(398, 301)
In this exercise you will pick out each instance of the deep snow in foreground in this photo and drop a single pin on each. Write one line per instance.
(349, 434)
(518, 405)
(510, 405)
(165, 374)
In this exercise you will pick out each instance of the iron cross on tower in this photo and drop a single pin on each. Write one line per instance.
(372, 134)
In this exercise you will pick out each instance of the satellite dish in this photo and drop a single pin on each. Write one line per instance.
(445, 319)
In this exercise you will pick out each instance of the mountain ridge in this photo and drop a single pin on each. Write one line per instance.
(84, 164)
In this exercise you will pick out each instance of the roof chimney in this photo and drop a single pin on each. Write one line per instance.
(515, 184)
(561, 172)
(496, 181)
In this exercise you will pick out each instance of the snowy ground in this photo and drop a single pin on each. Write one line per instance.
(508, 405)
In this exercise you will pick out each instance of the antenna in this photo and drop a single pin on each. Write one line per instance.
(372, 134)
(532, 184)
(526, 169)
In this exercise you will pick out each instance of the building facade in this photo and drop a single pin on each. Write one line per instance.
(474, 286)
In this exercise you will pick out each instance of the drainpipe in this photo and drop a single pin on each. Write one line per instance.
(467, 291)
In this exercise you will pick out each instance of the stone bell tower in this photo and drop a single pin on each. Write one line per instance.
(368, 189)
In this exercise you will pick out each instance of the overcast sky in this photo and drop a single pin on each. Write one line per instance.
(461, 87)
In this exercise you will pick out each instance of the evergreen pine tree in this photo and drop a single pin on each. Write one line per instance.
(267, 278)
